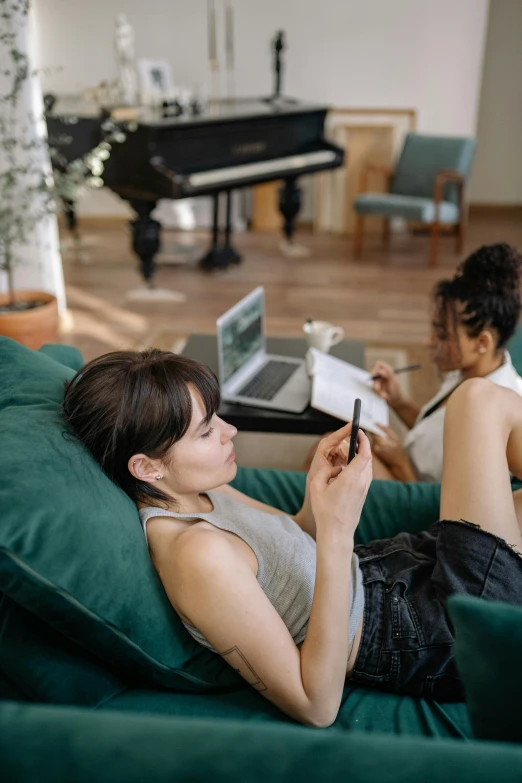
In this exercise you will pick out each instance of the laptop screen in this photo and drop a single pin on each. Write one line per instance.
(242, 335)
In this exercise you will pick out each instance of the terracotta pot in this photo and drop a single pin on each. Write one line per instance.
(32, 327)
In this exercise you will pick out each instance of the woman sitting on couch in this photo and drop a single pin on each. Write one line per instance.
(475, 314)
(289, 602)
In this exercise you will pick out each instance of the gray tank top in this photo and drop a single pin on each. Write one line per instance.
(285, 556)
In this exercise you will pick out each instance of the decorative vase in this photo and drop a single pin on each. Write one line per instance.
(34, 326)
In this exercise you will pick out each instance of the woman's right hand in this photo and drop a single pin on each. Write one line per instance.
(338, 490)
(387, 386)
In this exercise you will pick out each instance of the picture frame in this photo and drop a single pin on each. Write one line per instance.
(155, 81)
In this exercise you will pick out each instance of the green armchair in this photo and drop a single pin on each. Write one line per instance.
(426, 187)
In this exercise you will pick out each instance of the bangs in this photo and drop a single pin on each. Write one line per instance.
(173, 404)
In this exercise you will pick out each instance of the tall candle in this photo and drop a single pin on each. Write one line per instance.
(229, 33)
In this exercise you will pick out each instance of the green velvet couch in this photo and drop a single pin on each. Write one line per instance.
(100, 681)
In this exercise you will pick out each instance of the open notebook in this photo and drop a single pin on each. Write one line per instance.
(336, 385)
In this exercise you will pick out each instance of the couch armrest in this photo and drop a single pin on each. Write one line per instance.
(48, 744)
(64, 354)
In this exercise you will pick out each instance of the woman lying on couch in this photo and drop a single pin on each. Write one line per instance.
(289, 602)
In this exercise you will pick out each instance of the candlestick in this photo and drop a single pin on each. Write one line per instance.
(212, 47)
(229, 34)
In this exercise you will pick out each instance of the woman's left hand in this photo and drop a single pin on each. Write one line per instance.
(337, 456)
(389, 449)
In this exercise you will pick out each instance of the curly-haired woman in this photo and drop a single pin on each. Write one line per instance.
(473, 317)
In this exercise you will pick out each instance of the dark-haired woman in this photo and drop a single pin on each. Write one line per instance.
(289, 602)
(474, 316)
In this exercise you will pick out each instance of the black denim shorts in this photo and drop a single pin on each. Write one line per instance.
(406, 643)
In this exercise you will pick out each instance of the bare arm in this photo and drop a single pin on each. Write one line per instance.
(407, 411)
(387, 387)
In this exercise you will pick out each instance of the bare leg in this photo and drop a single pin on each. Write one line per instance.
(482, 441)
(517, 499)
(380, 470)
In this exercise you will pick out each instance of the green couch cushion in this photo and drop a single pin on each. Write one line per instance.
(64, 354)
(45, 666)
(72, 550)
(391, 507)
(47, 744)
(361, 710)
(488, 651)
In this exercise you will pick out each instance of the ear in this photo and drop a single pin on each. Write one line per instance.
(485, 342)
(143, 468)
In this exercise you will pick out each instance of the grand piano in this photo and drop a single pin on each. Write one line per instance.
(232, 144)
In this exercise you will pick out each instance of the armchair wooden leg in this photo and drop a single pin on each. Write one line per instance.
(434, 244)
(358, 236)
(386, 232)
(459, 239)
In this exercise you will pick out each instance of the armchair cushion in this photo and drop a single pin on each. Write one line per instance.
(423, 157)
(414, 208)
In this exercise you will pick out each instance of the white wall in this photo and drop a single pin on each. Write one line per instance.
(360, 53)
(497, 173)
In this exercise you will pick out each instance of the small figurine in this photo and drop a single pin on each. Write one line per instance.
(278, 46)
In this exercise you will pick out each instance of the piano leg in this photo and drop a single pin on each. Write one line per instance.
(221, 256)
(289, 206)
(234, 257)
(145, 237)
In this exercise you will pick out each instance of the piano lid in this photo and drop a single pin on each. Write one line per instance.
(225, 110)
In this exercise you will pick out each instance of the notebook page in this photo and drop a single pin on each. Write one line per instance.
(335, 386)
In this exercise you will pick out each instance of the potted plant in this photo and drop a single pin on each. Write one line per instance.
(29, 191)
(26, 189)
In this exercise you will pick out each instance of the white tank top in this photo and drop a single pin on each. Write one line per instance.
(286, 560)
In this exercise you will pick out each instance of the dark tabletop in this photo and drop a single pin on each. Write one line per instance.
(203, 348)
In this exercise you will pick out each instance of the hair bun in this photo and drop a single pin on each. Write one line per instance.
(494, 268)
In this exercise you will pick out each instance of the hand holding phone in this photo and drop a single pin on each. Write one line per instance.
(355, 430)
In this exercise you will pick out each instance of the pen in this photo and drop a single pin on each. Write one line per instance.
(409, 368)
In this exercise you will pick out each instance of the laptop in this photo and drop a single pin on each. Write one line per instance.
(249, 375)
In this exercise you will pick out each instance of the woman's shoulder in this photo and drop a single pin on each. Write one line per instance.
(506, 375)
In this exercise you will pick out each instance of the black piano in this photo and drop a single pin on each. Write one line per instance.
(233, 144)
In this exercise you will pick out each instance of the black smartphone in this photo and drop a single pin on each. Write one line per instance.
(355, 429)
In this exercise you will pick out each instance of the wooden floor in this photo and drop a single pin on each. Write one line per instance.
(383, 298)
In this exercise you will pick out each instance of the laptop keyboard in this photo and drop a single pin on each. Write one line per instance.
(266, 383)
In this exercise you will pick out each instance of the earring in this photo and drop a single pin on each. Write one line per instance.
(158, 477)
(482, 349)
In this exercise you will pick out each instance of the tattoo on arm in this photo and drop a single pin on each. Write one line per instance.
(235, 658)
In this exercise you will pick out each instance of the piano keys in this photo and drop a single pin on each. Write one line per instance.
(233, 144)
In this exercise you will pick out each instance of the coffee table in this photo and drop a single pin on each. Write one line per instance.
(203, 348)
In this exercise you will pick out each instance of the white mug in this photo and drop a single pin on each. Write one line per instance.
(322, 335)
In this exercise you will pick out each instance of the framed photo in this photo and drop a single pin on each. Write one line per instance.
(155, 81)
